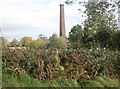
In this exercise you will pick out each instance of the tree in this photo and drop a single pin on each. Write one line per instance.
(41, 42)
(115, 40)
(26, 41)
(104, 37)
(62, 42)
(57, 42)
(100, 16)
(99, 20)
(14, 43)
(75, 36)
(3, 43)
(44, 38)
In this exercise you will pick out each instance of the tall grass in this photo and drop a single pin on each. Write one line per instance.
(100, 81)
(26, 81)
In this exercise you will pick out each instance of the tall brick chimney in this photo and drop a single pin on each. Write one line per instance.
(62, 21)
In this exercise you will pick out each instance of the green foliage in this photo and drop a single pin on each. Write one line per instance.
(26, 41)
(100, 26)
(60, 67)
(57, 42)
(42, 42)
(47, 64)
(22, 81)
(3, 43)
(26, 81)
(103, 37)
(75, 36)
(39, 43)
(100, 82)
(98, 16)
(100, 22)
(115, 40)
(14, 43)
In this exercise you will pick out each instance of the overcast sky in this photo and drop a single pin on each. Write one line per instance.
(19, 18)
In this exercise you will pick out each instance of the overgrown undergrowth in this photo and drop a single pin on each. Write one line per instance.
(60, 67)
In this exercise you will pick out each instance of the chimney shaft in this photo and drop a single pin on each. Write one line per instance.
(62, 21)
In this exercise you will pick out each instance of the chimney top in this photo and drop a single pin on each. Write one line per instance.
(61, 4)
